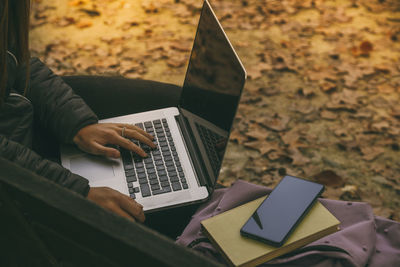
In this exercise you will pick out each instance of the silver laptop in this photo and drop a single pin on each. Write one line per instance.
(191, 138)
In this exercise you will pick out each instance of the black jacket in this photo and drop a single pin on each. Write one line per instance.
(49, 102)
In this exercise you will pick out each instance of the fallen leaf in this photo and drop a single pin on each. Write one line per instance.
(84, 24)
(263, 146)
(298, 158)
(350, 193)
(328, 115)
(277, 122)
(366, 48)
(371, 152)
(329, 178)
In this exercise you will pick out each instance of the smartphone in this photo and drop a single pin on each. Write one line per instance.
(282, 210)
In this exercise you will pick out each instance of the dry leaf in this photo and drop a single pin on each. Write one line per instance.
(328, 115)
(277, 122)
(371, 152)
(84, 24)
(329, 178)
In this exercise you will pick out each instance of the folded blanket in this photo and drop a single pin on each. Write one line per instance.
(364, 239)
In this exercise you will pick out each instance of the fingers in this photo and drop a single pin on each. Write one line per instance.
(127, 144)
(122, 213)
(132, 207)
(138, 136)
(137, 129)
(98, 149)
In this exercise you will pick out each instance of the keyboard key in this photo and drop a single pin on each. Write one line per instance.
(169, 163)
(151, 171)
(166, 154)
(140, 170)
(128, 166)
(142, 175)
(148, 160)
(130, 173)
(152, 176)
(164, 120)
(153, 181)
(140, 125)
(133, 196)
(131, 191)
(130, 179)
(163, 144)
(160, 167)
(145, 190)
(172, 173)
(183, 180)
(139, 164)
(185, 186)
(176, 186)
(172, 168)
(163, 178)
(174, 179)
(148, 124)
(130, 184)
(177, 164)
(167, 189)
(168, 158)
(143, 181)
(157, 122)
(179, 169)
(160, 173)
(136, 189)
(164, 183)
(155, 187)
(161, 191)
(159, 163)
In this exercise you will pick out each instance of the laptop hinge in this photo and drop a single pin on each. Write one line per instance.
(193, 150)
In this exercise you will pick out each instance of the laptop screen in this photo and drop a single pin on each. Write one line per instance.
(214, 81)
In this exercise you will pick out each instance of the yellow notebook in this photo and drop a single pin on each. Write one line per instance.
(223, 231)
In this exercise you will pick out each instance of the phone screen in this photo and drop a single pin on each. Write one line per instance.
(279, 213)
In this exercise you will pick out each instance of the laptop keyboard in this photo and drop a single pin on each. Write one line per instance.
(161, 172)
(210, 140)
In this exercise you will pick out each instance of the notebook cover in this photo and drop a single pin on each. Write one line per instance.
(223, 231)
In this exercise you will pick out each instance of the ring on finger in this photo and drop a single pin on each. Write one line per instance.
(123, 131)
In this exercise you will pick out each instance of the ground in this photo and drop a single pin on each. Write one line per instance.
(321, 100)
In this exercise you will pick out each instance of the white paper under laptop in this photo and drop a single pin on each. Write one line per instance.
(191, 138)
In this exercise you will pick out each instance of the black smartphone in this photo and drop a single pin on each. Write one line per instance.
(279, 213)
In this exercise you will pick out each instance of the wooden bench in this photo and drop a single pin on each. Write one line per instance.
(44, 224)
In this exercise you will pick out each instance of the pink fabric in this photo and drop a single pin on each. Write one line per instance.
(364, 239)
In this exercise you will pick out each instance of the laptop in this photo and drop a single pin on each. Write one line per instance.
(191, 138)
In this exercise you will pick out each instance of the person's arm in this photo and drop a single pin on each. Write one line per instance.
(26, 158)
(56, 107)
(106, 197)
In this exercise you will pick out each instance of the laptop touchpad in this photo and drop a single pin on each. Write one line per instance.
(93, 168)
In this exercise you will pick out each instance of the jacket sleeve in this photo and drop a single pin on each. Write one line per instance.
(28, 159)
(56, 107)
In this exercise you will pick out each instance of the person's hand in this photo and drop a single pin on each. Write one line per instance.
(116, 202)
(94, 138)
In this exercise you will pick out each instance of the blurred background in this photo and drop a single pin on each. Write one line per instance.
(322, 98)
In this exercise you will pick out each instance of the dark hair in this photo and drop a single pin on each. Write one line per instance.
(14, 30)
